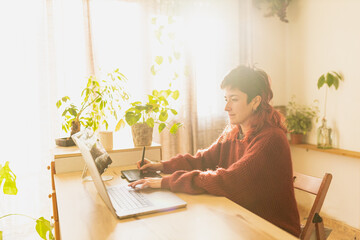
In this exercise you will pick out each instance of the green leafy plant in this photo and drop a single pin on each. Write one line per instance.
(329, 79)
(299, 117)
(100, 99)
(274, 7)
(155, 110)
(43, 226)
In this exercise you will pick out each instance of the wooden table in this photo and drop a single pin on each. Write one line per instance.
(83, 215)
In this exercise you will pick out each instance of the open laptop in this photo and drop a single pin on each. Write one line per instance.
(122, 200)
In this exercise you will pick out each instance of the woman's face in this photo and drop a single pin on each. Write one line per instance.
(238, 109)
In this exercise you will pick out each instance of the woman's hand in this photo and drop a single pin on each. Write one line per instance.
(147, 182)
(150, 166)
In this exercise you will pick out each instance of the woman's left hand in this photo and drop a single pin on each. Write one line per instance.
(147, 182)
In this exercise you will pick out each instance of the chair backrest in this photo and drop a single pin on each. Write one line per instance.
(318, 187)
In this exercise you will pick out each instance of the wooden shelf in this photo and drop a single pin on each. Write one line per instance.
(337, 151)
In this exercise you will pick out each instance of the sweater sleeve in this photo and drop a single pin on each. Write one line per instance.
(202, 160)
(243, 177)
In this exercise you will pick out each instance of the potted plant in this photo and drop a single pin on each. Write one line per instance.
(299, 120)
(142, 116)
(274, 7)
(100, 101)
(324, 133)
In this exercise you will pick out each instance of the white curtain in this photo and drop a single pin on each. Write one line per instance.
(26, 119)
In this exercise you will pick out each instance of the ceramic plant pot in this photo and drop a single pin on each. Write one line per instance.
(106, 139)
(142, 134)
(296, 138)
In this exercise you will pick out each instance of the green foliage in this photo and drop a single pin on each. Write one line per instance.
(168, 59)
(299, 117)
(43, 227)
(274, 7)
(155, 110)
(100, 100)
(9, 178)
(331, 79)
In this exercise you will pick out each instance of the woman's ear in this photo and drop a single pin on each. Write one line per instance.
(256, 102)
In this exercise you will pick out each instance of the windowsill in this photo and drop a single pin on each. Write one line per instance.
(337, 151)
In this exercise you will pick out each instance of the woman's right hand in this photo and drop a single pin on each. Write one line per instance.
(150, 166)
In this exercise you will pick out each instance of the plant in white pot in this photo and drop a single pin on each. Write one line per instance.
(324, 133)
(299, 120)
(101, 100)
(142, 116)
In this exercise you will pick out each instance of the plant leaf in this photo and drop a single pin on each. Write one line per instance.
(173, 111)
(161, 127)
(152, 69)
(339, 75)
(150, 122)
(329, 79)
(336, 82)
(321, 81)
(72, 112)
(6, 174)
(119, 125)
(155, 93)
(174, 129)
(42, 227)
(163, 116)
(175, 94)
(159, 60)
(131, 118)
(58, 104)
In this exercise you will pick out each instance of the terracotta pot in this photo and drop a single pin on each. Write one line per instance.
(142, 134)
(296, 138)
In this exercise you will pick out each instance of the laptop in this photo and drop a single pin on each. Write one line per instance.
(122, 200)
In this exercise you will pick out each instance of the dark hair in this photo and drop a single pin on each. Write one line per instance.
(255, 82)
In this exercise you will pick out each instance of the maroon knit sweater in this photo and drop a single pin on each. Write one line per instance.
(255, 174)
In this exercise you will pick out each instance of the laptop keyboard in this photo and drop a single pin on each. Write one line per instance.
(127, 198)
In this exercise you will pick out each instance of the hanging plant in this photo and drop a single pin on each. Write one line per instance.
(274, 7)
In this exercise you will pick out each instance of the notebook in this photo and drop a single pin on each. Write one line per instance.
(123, 201)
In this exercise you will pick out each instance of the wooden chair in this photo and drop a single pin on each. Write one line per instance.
(314, 226)
(54, 201)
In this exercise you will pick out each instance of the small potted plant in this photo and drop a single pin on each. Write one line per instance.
(142, 116)
(274, 7)
(100, 101)
(324, 133)
(299, 120)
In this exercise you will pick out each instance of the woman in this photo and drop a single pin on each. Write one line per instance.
(250, 163)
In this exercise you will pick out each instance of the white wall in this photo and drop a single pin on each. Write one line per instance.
(321, 36)
(268, 51)
(324, 35)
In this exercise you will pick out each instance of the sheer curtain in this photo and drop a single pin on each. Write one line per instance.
(209, 38)
(25, 114)
(214, 33)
